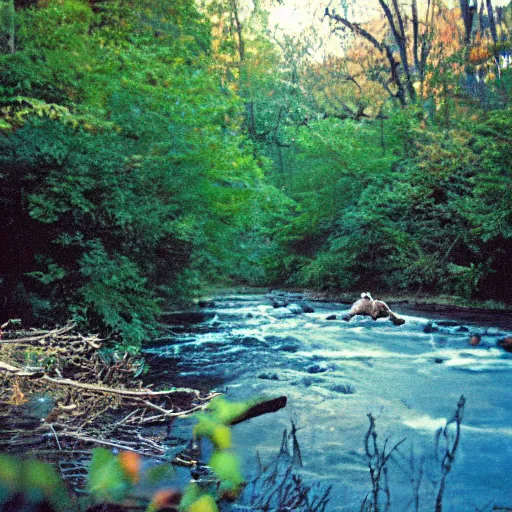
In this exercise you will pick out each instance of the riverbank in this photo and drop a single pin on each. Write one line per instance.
(64, 393)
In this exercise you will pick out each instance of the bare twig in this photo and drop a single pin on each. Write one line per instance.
(94, 387)
(56, 437)
(451, 444)
(377, 459)
(126, 446)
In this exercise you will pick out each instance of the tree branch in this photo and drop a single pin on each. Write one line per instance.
(381, 46)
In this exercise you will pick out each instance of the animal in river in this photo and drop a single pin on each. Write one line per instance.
(367, 306)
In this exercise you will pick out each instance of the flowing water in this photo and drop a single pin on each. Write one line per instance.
(334, 373)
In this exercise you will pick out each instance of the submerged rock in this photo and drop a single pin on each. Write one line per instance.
(430, 327)
(247, 341)
(206, 303)
(288, 347)
(309, 381)
(285, 344)
(281, 313)
(506, 344)
(317, 368)
(295, 309)
(475, 340)
(268, 376)
(277, 340)
(344, 389)
(331, 317)
(448, 323)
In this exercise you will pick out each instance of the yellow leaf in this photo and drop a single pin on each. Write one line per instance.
(225, 465)
(203, 504)
(221, 437)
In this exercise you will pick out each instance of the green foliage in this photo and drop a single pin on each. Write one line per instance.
(107, 479)
(30, 484)
(214, 425)
(123, 162)
(331, 240)
(413, 207)
(194, 500)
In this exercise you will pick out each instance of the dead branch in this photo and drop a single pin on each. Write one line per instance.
(268, 406)
(18, 372)
(93, 396)
(452, 440)
(40, 337)
(378, 457)
(126, 446)
(121, 392)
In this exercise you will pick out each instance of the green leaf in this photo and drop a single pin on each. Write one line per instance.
(204, 504)
(106, 479)
(226, 467)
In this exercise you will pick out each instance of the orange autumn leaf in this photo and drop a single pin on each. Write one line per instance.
(17, 397)
(130, 462)
(165, 498)
(479, 54)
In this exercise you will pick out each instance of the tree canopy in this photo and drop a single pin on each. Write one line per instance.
(147, 149)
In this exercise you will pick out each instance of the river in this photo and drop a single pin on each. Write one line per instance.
(334, 373)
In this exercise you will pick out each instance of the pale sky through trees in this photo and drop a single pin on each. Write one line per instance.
(295, 15)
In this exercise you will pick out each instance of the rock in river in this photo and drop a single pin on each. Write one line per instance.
(317, 368)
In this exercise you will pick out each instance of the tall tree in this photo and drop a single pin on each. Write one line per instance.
(402, 71)
(467, 10)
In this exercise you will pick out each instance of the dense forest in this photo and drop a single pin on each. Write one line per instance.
(148, 149)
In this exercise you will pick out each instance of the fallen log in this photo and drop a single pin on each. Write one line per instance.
(268, 406)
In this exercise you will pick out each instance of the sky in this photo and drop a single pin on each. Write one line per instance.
(296, 13)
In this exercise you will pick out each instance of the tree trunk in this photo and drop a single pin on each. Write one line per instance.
(395, 78)
(238, 28)
(396, 24)
(468, 13)
(481, 24)
(492, 22)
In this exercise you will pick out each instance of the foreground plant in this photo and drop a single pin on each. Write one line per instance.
(112, 478)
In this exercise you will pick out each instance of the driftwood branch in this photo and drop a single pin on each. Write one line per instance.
(121, 392)
(93, 387)
(268, 406)
(39, 338)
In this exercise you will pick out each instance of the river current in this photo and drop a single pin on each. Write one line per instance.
(334, 373)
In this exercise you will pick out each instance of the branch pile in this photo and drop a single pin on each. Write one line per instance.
(64, 392)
